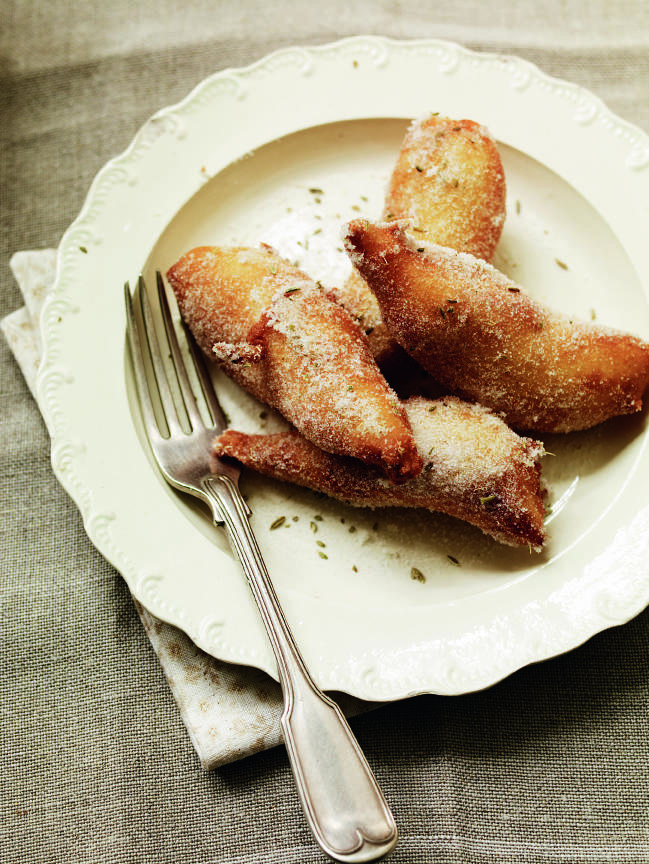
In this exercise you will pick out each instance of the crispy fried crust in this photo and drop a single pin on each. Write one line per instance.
(289, 344)
(484, 338)
(222, 291)
(476, 469)
(449, 182)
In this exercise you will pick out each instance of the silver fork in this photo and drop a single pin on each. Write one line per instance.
(342, 802)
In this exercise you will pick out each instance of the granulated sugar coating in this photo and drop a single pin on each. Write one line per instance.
(486, 340)
(282, 338)
(449, 182)
(222, 291)
(475, 468)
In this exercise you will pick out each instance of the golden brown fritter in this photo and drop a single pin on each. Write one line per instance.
(475, 468)
(223, 290)
(484, 338)
(449, 182)
(288, 343)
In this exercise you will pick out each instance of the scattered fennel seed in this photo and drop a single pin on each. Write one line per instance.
(593, 315)
(278, 523)
(364, 198)
(356, 208)
(432, 408)
(315, 190)
(320, 543)
(296, 519)
(518, 206)
(561, 264)
(318, 517)
(354, 568)
(322, 554)
(487, 499)
(352, 529)
(355, 64)
(313, 527)
(453, 560)
(416, 575)
(83, 249)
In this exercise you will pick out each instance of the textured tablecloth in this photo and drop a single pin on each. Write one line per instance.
(547, 766)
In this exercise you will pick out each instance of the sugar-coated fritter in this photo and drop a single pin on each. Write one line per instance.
(484, 338)
(223, 290)
(475, 468)
(449, 182)
(289, 344)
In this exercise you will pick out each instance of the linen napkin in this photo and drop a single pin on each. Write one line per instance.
(229, 711)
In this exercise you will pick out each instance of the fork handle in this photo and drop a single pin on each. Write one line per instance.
(343, 804)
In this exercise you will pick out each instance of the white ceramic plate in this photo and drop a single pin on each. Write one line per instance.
(237, 162)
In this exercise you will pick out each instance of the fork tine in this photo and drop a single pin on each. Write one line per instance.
(186, 389)
(137, 358)
(218, 417)
(157, 362)
(204, 377)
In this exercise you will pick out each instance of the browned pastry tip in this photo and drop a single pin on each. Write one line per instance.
(487, 340)
(223, 290)
(475, 468)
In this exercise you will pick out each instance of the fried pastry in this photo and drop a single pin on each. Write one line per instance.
(475, 468)
(283, 339)
(484, 338)
(223, 290)
(449, 182)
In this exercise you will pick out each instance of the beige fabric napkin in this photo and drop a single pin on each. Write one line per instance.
(229, 711)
